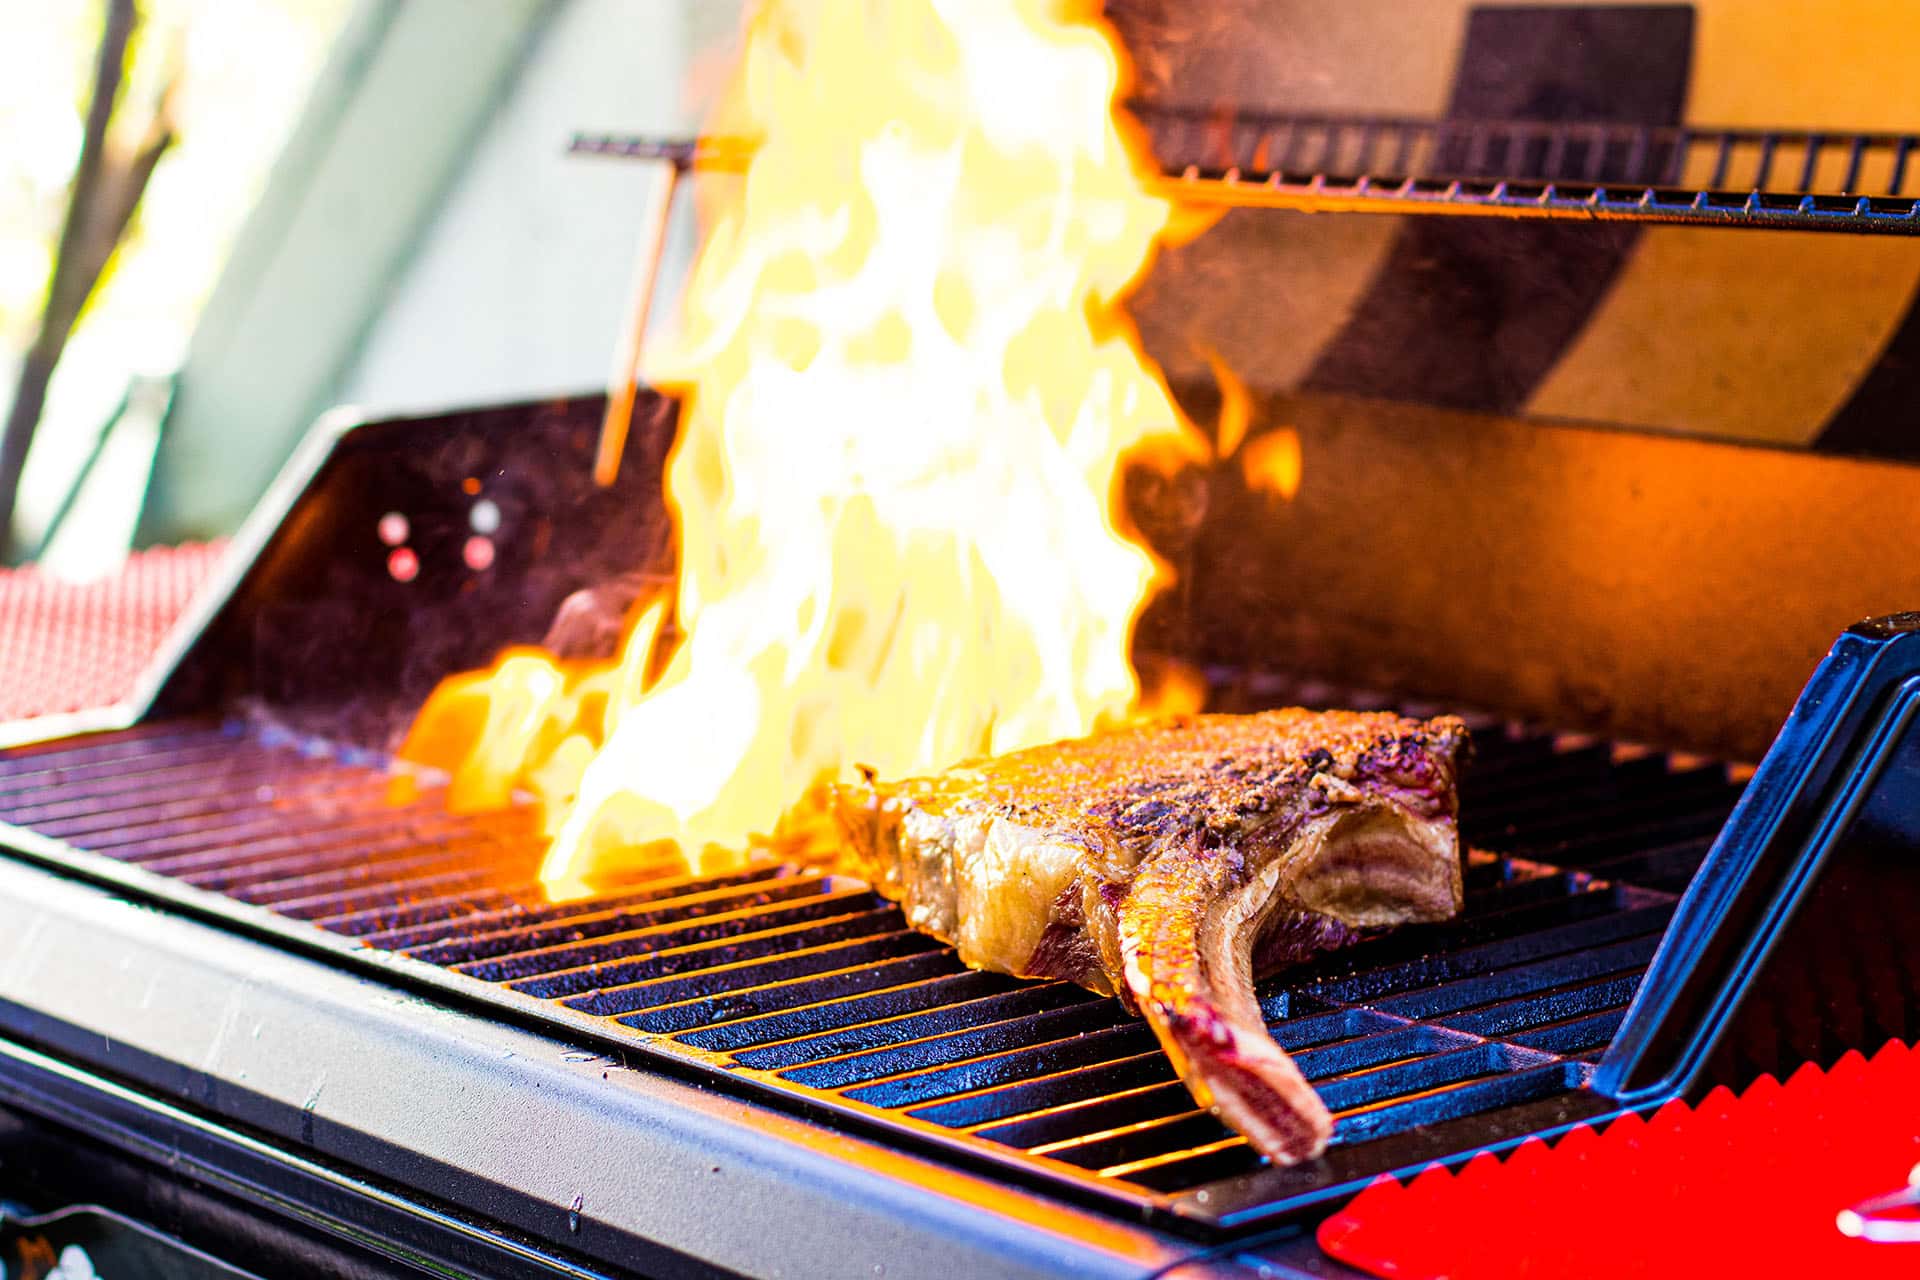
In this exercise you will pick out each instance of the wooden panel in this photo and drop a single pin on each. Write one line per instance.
(1667, 590)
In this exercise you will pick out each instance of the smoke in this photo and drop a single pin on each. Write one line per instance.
(1178, 46)
(590, 622)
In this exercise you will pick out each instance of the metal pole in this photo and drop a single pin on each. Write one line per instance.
(622, 383)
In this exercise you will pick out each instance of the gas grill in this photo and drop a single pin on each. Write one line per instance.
(265, 940)
(262, 990)
(811, 987)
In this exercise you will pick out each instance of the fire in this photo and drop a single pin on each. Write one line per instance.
(908, 391)
(1272, 463)
(1269, 464)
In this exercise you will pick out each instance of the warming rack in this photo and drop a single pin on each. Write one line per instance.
(1786, 179)
(1777, 179)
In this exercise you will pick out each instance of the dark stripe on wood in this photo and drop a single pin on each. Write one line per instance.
(1469, 313)
(1881, 419)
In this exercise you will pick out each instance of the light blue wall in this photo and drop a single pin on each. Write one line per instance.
(520, 283)
(425, 241)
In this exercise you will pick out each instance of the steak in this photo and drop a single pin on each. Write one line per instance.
(1170, 864)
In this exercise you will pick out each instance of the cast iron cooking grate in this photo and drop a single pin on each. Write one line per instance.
(788, 981)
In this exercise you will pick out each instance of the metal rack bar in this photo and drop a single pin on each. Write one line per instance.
(624, 381)
(1578, 201)
(1675, 168)
(1579, 171)
(1814, 143)
(1723, 156)
(1738, 158)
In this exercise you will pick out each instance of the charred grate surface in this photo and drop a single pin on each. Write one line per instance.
(1427, 1042)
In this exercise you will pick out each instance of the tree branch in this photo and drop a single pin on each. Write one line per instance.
(81, 256)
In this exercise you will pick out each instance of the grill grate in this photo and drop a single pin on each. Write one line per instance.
(811, 986)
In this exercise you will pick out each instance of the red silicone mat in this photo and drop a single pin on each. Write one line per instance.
(1738, 1186)
(66, 646)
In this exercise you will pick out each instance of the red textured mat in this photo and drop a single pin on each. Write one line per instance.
(68, 646)
(1745, 1186)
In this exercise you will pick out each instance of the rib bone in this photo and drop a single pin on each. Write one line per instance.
(1171, 864)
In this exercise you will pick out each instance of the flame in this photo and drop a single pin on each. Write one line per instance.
(1236, 406)
(1272, 463)
(1269, 464)
(909, 390)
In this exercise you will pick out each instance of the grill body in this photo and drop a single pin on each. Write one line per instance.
(428, 1054)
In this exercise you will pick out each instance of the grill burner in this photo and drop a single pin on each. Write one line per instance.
(1431, 1041)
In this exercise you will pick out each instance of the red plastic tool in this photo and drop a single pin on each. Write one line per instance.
(1747, 1186)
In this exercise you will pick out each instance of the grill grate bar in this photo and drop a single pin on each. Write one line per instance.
(1693, 828)
(93, 784)
(524, 916)
(907, 1015)
(1430, 970)
(312, 850)
(238, 833)
(1099, 1082)
(764, 1013)
(650, 914)
(1230, 1156)
(361, 913)
(119, 746)
(1576, 1036)
(728, 949)
(1507, 984)
(1629, 814)
(573, 962)
(1524, 979)
(1665, 866)
(1532, 1011)
(256, 836)
(136, 813)
(1099, 1097)
(276, 887)
(1410, 1075)
(1080, 1042)
(320, 853)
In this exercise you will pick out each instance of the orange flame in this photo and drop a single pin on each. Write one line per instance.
(909, 389)
(1272, 463)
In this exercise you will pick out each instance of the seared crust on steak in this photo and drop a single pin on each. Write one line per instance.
(1168, 864)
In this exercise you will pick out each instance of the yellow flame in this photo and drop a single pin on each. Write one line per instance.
(1272, 463)
(908, 391)
(1236, 406)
